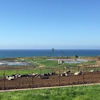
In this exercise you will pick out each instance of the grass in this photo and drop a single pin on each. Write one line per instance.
(48, 63)
(69, 93)
(75, 93)
(36, 61)
(28, 71)
(41, 61)
(90, 62)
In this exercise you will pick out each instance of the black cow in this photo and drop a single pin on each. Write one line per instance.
(44, 77)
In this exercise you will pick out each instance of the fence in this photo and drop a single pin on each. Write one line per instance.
(54, 80)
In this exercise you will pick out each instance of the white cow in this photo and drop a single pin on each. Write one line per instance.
(10, 78)
(78, 73)
(91, 70)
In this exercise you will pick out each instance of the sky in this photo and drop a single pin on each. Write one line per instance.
(46, 24)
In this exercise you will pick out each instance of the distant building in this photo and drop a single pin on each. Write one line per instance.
(60, 61)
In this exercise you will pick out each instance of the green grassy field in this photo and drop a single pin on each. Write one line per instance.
(26, 71)
(69, 93)
(75, 93)
(43, 61)
(47, 66)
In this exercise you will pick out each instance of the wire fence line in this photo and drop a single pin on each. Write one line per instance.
(35, 79)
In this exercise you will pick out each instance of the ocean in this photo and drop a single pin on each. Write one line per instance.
(61, 52)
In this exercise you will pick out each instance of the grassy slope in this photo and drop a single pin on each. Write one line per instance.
(71, 93)
(36, 62)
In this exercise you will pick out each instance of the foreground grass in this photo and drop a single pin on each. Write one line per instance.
(71, 93)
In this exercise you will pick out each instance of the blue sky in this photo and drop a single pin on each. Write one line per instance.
(43, 24)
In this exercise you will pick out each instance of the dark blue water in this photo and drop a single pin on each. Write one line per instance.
(30, 53)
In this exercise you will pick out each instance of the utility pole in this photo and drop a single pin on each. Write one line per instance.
(53, 51)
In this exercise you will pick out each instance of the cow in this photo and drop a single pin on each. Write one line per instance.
(12, 77)
(44, 77)
(66, 73)
(91, 70)
(78, 73)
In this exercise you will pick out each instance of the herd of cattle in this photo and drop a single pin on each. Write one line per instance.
(43, 76)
